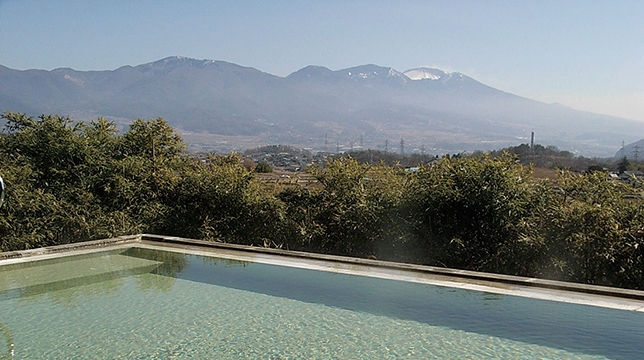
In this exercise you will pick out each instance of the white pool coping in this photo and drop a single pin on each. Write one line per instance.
(591, 295)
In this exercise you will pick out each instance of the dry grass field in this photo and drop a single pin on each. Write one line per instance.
(545, 173)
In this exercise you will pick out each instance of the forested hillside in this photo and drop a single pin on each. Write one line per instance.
(69, 182)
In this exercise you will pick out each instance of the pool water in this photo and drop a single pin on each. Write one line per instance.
(149, 304)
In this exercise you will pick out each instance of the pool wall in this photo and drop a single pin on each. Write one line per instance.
(505, 284)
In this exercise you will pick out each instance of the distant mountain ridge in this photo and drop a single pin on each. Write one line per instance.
(369, 106)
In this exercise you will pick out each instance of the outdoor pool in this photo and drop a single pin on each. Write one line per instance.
(144, 303)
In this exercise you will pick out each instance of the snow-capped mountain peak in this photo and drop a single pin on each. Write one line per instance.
(370, 72)
(424, 73)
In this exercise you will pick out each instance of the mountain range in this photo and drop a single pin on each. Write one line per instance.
(226, 106)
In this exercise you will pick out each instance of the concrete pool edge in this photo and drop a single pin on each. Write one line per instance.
(603, 296)
(447, 272)
(92, 245)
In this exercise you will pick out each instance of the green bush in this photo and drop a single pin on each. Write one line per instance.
(263, 167)
(70, 182)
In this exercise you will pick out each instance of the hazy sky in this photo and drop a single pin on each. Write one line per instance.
(585, 54)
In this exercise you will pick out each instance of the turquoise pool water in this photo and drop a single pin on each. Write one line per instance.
(148, 304)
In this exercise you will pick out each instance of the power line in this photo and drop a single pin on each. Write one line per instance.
(636, 152)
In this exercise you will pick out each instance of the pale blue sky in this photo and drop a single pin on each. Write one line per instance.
(585, 54)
